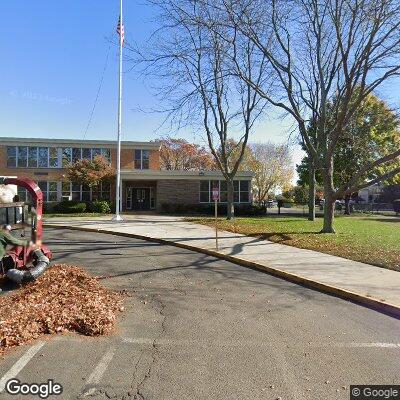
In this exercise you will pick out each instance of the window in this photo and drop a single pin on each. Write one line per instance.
(142, 159)
(66, 156)
(244, 191)
(43, 159)
(43, 188)
(22, 194)
(138, 159)
(241, 191)
(53, 157)
(22, 157)
(86, 153)
(76, 154)
(223, 192)
(49, 190)
(96, 152)
(11, 156)
(105, 191)
(75, 191)
(204, 191)
(236, 195)
(106, 154)
(145, 159)
(52, 191)
(66, 189)
(32, 157)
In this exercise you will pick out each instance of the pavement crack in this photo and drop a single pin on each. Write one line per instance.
(160, 306)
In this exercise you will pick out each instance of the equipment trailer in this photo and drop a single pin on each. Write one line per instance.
(25, 263)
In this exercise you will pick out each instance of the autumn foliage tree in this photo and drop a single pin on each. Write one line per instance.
(90, 172)
(233, 155)
(273, 168)
(179, 154)
(372, 133)
(271, 164)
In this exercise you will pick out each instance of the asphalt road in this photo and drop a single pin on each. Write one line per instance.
(199, 328)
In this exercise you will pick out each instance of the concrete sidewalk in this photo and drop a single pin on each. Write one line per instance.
(353, 280)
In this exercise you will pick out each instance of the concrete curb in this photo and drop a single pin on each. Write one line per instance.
(370, 302)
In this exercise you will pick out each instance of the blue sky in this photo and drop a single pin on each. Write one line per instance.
(53, 55)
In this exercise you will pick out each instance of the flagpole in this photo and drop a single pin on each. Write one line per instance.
(117, 216)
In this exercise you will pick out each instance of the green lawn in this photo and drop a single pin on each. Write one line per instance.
(371, 239)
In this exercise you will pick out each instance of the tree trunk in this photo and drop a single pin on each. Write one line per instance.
(329, 212)
(311, 194)
(230, 205)
(347, 209)
(329, 206)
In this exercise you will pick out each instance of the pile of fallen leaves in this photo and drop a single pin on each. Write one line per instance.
(64, 298)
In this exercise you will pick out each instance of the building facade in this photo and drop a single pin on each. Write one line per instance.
(371, 194)
(144, 185)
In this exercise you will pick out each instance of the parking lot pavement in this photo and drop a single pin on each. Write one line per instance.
(198, 328)
(352, 280)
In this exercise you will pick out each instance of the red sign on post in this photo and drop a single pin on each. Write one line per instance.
(215, 194)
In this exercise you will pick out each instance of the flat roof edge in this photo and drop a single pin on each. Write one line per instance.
(163, 174)
(84, 142)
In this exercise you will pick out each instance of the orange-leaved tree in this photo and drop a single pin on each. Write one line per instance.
(90, 172)
(179, 154)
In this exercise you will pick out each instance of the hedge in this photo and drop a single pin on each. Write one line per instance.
(100, 206)
(69, 207)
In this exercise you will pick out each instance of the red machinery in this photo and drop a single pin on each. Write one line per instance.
(25, 263)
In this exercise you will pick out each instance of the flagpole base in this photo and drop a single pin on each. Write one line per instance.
(117, 218)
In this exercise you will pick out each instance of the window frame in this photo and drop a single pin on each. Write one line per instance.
(104, 191)
(45, 158)
(204, 191)
(237, 192)
(46, 190)
(143, 161)
(34, 158)
(58, 152)
(79, 156)
(19, 149)
(15, 156)
(34, 162)
(85, 149)
(106, 153)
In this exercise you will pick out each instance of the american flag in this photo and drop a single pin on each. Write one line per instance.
(121, 30)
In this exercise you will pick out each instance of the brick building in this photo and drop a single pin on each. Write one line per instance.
(144, 185)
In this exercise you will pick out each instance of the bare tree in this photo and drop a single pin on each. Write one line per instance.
(273, 168)
(320, 50)
(191, 56)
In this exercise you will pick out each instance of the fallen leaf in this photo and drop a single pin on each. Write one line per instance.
(64, 298)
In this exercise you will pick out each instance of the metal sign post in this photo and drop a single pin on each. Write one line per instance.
(215, 195)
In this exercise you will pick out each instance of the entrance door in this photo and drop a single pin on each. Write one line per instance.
(129, 198)
(140, 199)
